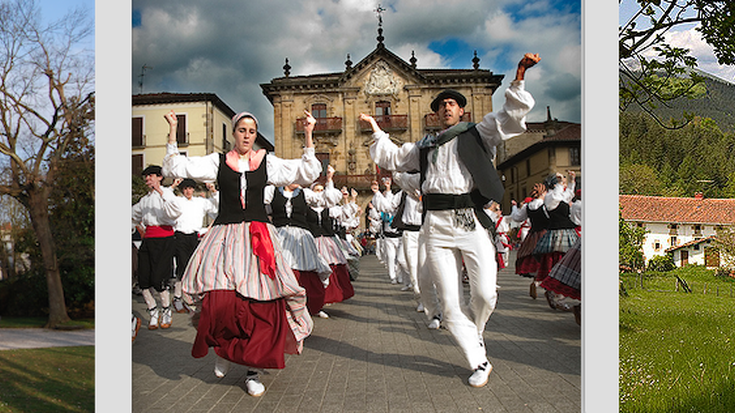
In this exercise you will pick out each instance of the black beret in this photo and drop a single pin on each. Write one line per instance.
(448, 94)
(152, 170)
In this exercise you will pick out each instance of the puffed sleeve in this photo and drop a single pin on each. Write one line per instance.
(198, 168)
(390, 156)
(510, 120)
(303, 171)
(519, 214)
(328, 198)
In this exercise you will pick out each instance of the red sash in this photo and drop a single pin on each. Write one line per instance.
(263, 248)
(159, 231)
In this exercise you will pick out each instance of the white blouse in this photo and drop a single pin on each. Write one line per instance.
(447, 174)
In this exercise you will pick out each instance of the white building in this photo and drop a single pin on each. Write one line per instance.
(683, 227)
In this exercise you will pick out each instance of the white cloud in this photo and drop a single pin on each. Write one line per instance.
(229, 47)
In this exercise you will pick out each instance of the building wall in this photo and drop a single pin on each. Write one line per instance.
(658, 239)
(206, 127)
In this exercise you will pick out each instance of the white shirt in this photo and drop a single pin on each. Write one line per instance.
(193, 212)
(281, 172)
(575, 212)
(326, 198)
(156, 209)
(448, 175)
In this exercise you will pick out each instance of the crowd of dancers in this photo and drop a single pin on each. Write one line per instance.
(280, 247)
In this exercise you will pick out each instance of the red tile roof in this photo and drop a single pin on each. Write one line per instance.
(690, 243)
(677, 210)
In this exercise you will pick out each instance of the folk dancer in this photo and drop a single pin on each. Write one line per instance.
(188, 229)
(458, 179)
(288, 209)
(560, 235)
(534, 211)
(238, 269)
(155, 216)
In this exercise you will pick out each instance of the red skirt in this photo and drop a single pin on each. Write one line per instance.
(546, 263)
(340, 287)
(241, 330)
(314, 287)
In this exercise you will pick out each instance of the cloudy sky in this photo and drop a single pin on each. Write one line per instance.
(230, 47)
(684, 36)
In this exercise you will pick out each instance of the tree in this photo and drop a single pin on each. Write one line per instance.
(630, 244)
(725, 241)
(46, 104)
(650, 81)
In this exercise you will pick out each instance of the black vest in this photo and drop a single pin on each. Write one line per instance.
(539, 219)
(559, 217)
(298, 209)
(398, 217)
(478, 160)
(230, 207)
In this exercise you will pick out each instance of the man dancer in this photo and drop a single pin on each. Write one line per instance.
(457, 180)
(156, 212)
(189, 228)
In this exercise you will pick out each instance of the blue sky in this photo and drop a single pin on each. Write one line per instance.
(684, 36)
(229, 47)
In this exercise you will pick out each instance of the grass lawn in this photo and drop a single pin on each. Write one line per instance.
(57, 379)
(39, 322)
(677, 350)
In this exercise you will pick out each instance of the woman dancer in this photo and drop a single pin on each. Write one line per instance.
(253, 309)
(560, 235)
(534, 211)
(288, 206)
(321, 223)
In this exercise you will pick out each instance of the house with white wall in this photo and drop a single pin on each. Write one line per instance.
(684, 227)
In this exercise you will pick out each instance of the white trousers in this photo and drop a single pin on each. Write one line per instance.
(427, 290)
(446, 246)
(410, 242)
(391, 248)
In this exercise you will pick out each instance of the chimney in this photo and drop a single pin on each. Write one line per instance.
(698, 195)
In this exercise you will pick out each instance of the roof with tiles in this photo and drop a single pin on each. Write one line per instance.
(697, 210)
(690, 243)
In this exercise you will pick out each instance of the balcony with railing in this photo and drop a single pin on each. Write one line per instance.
(388, 123)
(433, 122)
(359, 182)
(323, 125)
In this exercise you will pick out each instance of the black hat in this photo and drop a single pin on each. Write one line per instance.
(152, 170)
(448, 94)
(187, 183)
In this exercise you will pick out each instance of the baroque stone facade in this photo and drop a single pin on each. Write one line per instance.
(394, 91)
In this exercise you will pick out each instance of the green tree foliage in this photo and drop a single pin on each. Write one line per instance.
(630, 244)
(658, 161)
(652, 72)
(639, 179)
(661, 263)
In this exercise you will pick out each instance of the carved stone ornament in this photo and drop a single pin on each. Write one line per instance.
(382, 81)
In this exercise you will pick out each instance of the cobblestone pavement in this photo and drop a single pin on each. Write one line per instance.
(375, 354)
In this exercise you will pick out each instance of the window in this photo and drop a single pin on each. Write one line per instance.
(574, 157)
(323, 157)
(512, 174)
(137, 164)
(225, 144)
(528, 167)
(138, 137)
(182, 137)
(696, 247)
(656, 246)
(319, 111)
(382, 108)
(673, 242)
